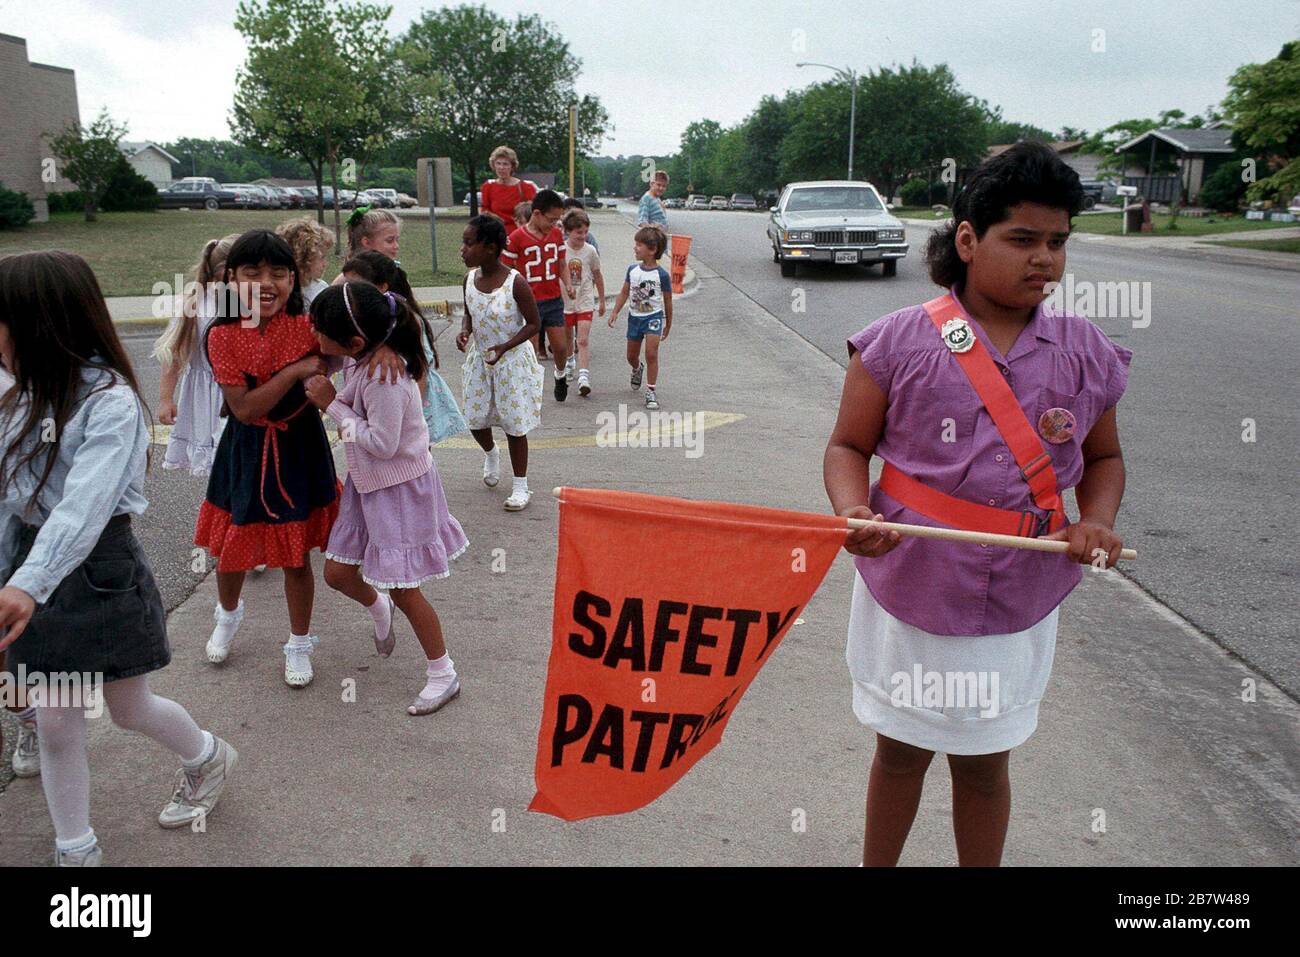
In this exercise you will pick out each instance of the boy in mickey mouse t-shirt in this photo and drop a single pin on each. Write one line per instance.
(649, 294)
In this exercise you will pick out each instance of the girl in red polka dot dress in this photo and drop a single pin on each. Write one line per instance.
(273, 495)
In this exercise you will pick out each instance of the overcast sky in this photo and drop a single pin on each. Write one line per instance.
(168, 70)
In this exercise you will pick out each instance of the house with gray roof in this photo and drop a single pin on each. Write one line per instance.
(151, 161)
(1171, 165)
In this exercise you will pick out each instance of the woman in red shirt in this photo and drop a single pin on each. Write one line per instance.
(503, 194)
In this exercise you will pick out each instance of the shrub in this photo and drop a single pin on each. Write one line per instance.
(15, 208)
(128, 191)
(1224, 188)
(915, 192)
(72, 201)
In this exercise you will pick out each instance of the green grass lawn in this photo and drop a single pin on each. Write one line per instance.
(1109, 224)
(131, 251)
(1276, 245)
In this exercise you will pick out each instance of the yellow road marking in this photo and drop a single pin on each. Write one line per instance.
(663, 428)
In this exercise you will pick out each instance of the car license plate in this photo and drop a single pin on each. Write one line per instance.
(846, 255)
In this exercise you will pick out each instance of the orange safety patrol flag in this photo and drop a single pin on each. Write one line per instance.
(680, 248)
(665, 610)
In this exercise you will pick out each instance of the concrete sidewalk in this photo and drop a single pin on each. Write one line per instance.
(1145, 752)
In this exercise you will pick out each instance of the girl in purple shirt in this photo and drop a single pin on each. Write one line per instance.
(394, 530)
(950, 645)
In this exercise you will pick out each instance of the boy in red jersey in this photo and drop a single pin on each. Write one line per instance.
(536, 249)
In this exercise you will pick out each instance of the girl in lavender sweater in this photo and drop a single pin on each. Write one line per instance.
(394, 531)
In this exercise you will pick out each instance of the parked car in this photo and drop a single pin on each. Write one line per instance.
(591, 202)
(834, 221)
(696, 201)
(743, 201)
(193, 192)
(387, 196)
(406, 202)
(257, 199)
(719, 202)
(674, 203)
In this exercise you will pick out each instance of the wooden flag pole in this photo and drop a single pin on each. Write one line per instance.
(961, 535)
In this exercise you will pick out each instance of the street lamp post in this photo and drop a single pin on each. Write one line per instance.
(852, 77)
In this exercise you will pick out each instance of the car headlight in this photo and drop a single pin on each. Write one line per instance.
(891, 234)
(798, 235)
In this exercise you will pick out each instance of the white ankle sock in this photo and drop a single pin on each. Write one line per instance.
(208, 752)
(381, 612)
(83, 843)
(26, 716)
(440, 673)
(227, 624)
(520, 485)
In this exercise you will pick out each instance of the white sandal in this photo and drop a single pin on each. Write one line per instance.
(298, 673)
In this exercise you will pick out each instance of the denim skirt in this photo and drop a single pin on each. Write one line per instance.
(106, 617)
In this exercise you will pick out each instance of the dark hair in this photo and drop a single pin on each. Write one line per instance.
(341, 312)
(653, 236)
(572, 202)
(374, 267)
(253, 248)
(489, 230)
(547, 199)
(1024, 173)
(57, 319)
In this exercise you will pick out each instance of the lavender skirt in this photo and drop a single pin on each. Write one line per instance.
(401, 536)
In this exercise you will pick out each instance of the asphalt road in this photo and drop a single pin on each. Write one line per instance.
(1212, 515)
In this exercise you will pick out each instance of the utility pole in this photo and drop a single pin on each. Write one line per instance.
(852, 77)
(573, 122)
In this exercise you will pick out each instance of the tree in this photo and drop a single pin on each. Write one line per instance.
(764, 131)
(911, 119)
(317, 84)
(127, 190)
(483, 80)
(15, 208)
(89, 158)
(1005, 131)
(1263, 104)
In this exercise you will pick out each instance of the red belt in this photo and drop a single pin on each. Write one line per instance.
(272, 447)
(959, 513)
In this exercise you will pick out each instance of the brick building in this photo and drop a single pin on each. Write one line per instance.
(38, 100)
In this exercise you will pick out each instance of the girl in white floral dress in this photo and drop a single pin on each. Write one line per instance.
(501, 377)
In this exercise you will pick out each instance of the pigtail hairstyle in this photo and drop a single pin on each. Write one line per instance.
(1025, 173)
(57, 319)
(352, 309)
(374, 267)
(180, 337)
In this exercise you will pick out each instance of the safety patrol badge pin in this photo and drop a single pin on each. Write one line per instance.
(957, 335)
(1057, 426)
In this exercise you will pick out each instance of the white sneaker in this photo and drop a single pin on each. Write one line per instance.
(650, 401)
(571, 368)
(218, 647)
(297, 662)
(584, 383)
(198, 789)
(82, 857)
(491, 470)
(27, 752)
(518, 500)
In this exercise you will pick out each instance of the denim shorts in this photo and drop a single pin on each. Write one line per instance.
(105, 617)
(552, 313)
(638, 327)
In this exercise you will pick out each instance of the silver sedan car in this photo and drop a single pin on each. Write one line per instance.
(834, 221)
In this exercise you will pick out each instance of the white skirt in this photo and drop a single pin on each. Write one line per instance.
(974, 694)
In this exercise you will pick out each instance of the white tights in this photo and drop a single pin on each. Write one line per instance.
(65, 771)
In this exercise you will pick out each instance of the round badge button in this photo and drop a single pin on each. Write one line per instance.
(1057, 426)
